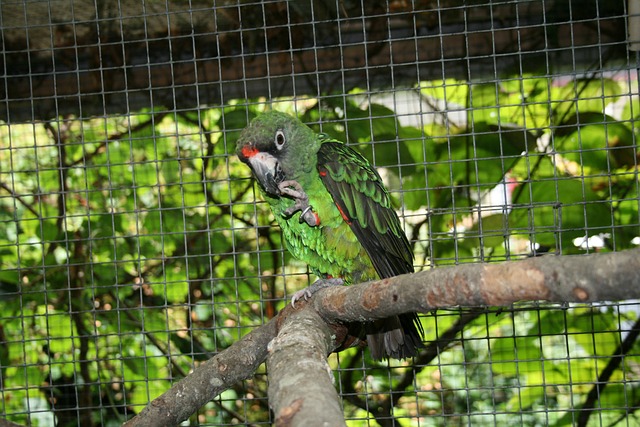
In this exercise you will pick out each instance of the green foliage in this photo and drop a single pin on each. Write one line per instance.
(142, 250)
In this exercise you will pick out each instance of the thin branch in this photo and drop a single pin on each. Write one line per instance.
(174, 363)
(632, 408)
(427, 355)
(76, 289)
(88, 156)
(60, 137)
(19, 198)
(382, 411)
(208, 380)
(603, 379)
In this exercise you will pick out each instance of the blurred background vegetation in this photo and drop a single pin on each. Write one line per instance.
(133, 247)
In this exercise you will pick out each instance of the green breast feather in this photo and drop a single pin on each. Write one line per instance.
(331, 249)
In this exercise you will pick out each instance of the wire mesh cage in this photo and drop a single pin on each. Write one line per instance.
(134, 245)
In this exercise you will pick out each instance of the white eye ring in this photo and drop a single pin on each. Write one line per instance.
(279, 139)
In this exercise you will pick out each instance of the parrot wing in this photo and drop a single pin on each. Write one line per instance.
(365, 205)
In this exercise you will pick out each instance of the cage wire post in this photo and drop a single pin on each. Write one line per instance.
(135, 248)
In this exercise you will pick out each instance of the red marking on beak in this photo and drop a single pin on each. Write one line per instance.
(323, 173)
(248, 152)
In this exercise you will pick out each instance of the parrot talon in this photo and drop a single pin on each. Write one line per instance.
(308, 292)
(304, 211)
(307, 215)
(294, 190)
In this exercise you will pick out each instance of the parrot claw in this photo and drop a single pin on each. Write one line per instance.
(294, 190)
(308, 292)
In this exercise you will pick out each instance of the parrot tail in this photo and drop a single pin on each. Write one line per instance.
(397, 337)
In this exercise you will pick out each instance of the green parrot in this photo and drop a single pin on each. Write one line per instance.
(335, 215)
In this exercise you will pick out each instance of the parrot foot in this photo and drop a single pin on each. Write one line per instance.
(293, 189)
(307, 292)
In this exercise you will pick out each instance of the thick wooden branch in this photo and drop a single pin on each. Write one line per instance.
(303, 340)
(301, 388)
(214, 376)
(561, 279)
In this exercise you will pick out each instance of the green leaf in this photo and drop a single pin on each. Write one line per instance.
(593, 95)
(48, 231)
(595, 332)
(631, 110)
(526, 398)
(516, 356)
(628, 217)
(452, 91)
(560, 211)
(416, 193)
(595, 139)
(390, 154)
(479, 158)
(489, 231)
(369, 124)
(59, 331)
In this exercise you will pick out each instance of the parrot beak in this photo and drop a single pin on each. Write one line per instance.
(266, 169)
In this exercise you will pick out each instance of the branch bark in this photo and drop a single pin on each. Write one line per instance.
(560, 279)
(214, 376)
(588, 278)
(301, 388)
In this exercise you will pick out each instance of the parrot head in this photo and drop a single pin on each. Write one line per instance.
(277, 147)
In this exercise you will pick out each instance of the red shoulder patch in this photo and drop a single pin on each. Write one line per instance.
(344, 215)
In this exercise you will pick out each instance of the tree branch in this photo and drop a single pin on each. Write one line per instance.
(20, 199)
(560, 279)
(588, 278)
(603, 379)
(217, 374)
(301, 388)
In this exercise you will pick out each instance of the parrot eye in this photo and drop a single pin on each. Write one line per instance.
(280, 139)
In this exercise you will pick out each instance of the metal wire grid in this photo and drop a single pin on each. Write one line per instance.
(125, 265)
